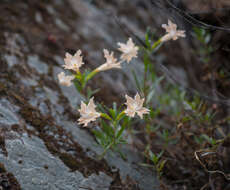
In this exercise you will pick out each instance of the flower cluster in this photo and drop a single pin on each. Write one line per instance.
(134, 106)
(73, 62)
(88, 113)
(128, 50)
(110, 134)
(111, 62)
(65, 80)
(172, 32)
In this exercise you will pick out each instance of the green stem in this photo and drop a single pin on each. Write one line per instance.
(105, 150)
(78, 72)
(120, 115)
(91, 75)
(78, 76)
(106, 116)
(115, 124)
(156, 44)
(145, 79)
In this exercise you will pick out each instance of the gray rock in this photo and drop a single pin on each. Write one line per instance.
(37, 64)
(145, 177)
(15, 43)
(29, 82)
(38, 17)
(61, 25)
(7, 113)
(95, 182)
(51, 95)
(11, 60)
(35, 168)
(83, 138)
(50, 10)
(59, 60)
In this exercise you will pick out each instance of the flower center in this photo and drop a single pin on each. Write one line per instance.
(88, 115)
(134, 106)
(73, 61)
(172, 33)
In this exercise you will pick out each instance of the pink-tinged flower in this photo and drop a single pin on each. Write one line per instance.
(88, 113)
(111, 62)
(129, 50)
(73, 62)
(172, 32)
(135, 106)
(65, 80)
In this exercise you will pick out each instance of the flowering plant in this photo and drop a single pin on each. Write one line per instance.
(74, 63)
(113, 121)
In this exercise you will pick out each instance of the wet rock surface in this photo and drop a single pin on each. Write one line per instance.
(41, 145)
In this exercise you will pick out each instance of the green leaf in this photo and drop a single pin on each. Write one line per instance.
(122, 155)
(112, 113)
(107, 129)
(161, 166)
(122, 141)
(77, 85)
(151, 154)
(209, 139)
(101, 108)
(155, 159)
(118, 136)
(120, 116)
(136, 81)
(100, 137)
(160, 154)
(165, 134)
(147, 40)
(126, 121)
(186, 118)
(115, 107)
(90, 92)
(106, 116)
(90, 74)
(150, 96)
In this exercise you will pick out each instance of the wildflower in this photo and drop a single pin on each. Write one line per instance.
(88, 112)
(73, 62)
(172, 32)
(111, 62)
(65, 80)
(135, 106)
(128, 50)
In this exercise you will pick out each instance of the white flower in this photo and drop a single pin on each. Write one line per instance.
(111, 62)
(128, 50)
(88, 112)
(172, 32)
(135, 106)
(65, 80)
(73, 62)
